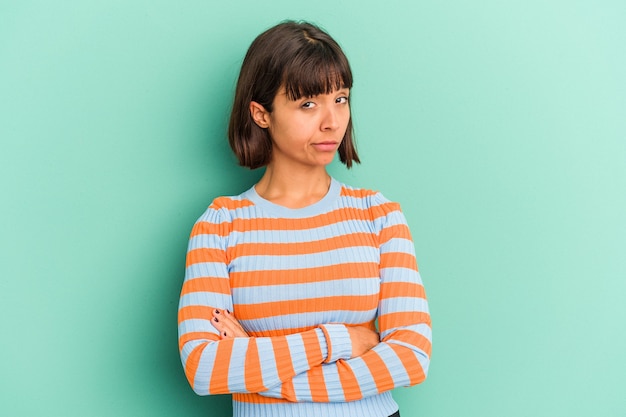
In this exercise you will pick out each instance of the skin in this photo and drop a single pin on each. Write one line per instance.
(306, 134)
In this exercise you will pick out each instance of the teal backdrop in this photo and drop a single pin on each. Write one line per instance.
(500, 127)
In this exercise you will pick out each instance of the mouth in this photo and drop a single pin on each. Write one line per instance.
(326, 146)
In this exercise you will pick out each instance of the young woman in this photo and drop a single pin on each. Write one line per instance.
(285, 282)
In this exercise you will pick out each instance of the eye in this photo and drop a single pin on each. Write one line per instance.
(341, 100)
(308, 105)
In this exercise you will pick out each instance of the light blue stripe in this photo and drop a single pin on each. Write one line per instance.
(206, 299)
(236, 368)
(372, 406)
(269, 371)
(403, 304)
(210, 213)
(206, 241)
(312, 260)
(398, 245)
(298, 352)
(189, 347)
(366, 380)
(206, 269)
(339, 287)
(394, 364)
(302, 320)
(424, 361)
(399, 274)
(196, 325)
(302, 389)
(333, 384)
(394, 218)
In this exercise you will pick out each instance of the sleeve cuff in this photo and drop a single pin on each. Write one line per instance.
(338, 342)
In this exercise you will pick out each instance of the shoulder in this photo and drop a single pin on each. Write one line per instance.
(224, 209)
(371, 200)
(230, 203)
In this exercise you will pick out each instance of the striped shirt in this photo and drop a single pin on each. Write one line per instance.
(295, 278)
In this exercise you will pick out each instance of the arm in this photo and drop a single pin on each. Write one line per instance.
(215, 365)
(403, 355)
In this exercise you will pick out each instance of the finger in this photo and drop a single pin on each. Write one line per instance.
(226, 319)
(233, 323)
(228, 314)
(225, 329)
(227, 326)
(234, 329)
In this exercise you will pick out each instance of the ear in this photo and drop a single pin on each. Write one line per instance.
(260, 116)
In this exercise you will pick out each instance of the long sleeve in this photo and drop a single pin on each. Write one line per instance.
(402, 358)
(239, 365)
(296, 280)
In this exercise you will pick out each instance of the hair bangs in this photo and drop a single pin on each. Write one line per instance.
(318, 69)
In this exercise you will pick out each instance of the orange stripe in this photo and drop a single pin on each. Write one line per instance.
(394, 320)
(206, 228)
(384, 209)
(230, 203)
(411, 364)
(279, 308)
(206, 284)
(195, 312)
(278, 332)
(263, 223)
(195, 336)
(313, 350)
(253, 376)
(287, 391)
(219, 377)
(397, 231)
(256, 399)
(360, 192)
(200, 255)
(328, 219)
(398, 260)
(349, 383)
(317, 385)
(412, 338)
(401, 289)
(300, 248)
(304, 275)
(379, 371)
(191, 365)
(282, 357)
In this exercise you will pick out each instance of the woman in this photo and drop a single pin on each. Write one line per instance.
(284, 282)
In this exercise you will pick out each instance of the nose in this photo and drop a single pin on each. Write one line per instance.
(330, 120)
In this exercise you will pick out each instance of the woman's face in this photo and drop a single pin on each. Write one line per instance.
(307, 131)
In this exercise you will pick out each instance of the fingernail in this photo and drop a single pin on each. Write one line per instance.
(216, 320)
(224, 333)
(217, 311)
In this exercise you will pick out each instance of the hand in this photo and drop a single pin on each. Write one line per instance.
(363, 339)
(227, 324)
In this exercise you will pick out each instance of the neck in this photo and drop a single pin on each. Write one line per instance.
(293, 189)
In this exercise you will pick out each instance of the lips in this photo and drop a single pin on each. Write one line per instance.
(328, 146)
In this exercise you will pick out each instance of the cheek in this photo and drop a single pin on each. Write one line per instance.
(292, 128)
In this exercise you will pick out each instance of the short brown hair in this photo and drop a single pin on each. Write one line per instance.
(303, 59)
